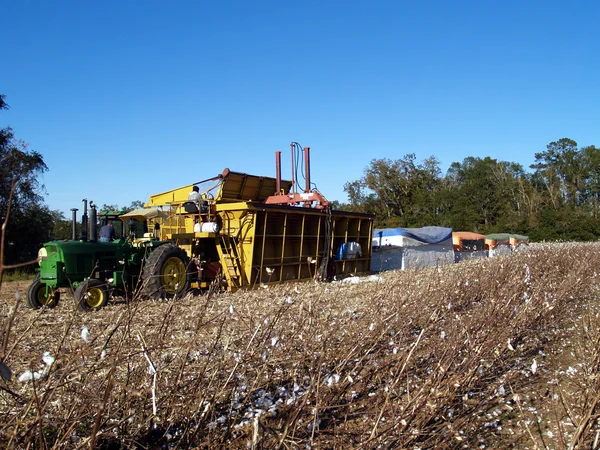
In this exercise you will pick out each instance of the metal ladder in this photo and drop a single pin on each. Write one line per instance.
(229, 258)
(229, 254)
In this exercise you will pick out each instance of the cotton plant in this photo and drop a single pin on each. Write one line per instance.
(28, 375)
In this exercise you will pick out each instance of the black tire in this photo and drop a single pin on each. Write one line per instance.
(165, 272)
(36, 295)
(91, 295)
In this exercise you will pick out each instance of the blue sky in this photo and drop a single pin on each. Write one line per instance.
(125, 99)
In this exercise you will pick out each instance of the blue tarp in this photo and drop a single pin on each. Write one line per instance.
(428, 235)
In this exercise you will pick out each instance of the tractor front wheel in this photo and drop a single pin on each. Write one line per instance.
(91, 295)
(165, 272)
(37, 297)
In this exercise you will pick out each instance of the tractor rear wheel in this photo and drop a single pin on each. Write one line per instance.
(165, 272)
(91, 295)
(36, 295)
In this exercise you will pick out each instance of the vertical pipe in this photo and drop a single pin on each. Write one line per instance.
(93, 223)
(301, 260)
(282, 260)
(262, 252)
(293, 167)
(84, 221)
(278, 172)
(74, 223)
(307, 168)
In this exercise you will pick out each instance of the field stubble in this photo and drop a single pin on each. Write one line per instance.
(486, 354)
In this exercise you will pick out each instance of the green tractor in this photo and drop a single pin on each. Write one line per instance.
(94, 271)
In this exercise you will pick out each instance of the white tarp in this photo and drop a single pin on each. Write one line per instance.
(398, 241)
(412, 257)
(393, 250)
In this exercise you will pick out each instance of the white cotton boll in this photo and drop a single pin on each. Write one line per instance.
(288, 299)
(333, 379)
(85, 334)
(103, 354)
(371, 327)
(443, 335)
(28, 376)
(274, 341)
(501, 390)
(48, 359)
(510, 347)
(231, 309)
(534, 367)
(449, 305)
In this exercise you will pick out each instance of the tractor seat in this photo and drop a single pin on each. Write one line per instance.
(190, 207)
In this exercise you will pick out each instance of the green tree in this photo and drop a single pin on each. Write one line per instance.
(561, 171)
(29, 220)
(590, 158)
(398, 191)
(487, 194)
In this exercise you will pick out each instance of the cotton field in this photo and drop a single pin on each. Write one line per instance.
(493, 353)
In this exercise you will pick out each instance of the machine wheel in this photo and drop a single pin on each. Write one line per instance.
(36, 295)
(91, 295)
(165, 272)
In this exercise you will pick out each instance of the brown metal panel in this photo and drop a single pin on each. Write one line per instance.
(241, 186)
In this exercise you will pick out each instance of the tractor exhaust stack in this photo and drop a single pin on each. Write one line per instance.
(84, 221)
(74, 223)
(93, 223)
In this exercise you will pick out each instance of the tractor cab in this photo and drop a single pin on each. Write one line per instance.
(112, 216)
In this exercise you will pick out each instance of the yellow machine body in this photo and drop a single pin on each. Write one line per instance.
(239, 241)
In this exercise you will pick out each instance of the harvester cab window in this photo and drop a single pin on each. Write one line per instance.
(136, 228)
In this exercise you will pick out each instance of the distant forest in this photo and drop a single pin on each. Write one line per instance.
(558, 199)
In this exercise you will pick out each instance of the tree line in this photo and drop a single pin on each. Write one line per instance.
(558, 199)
